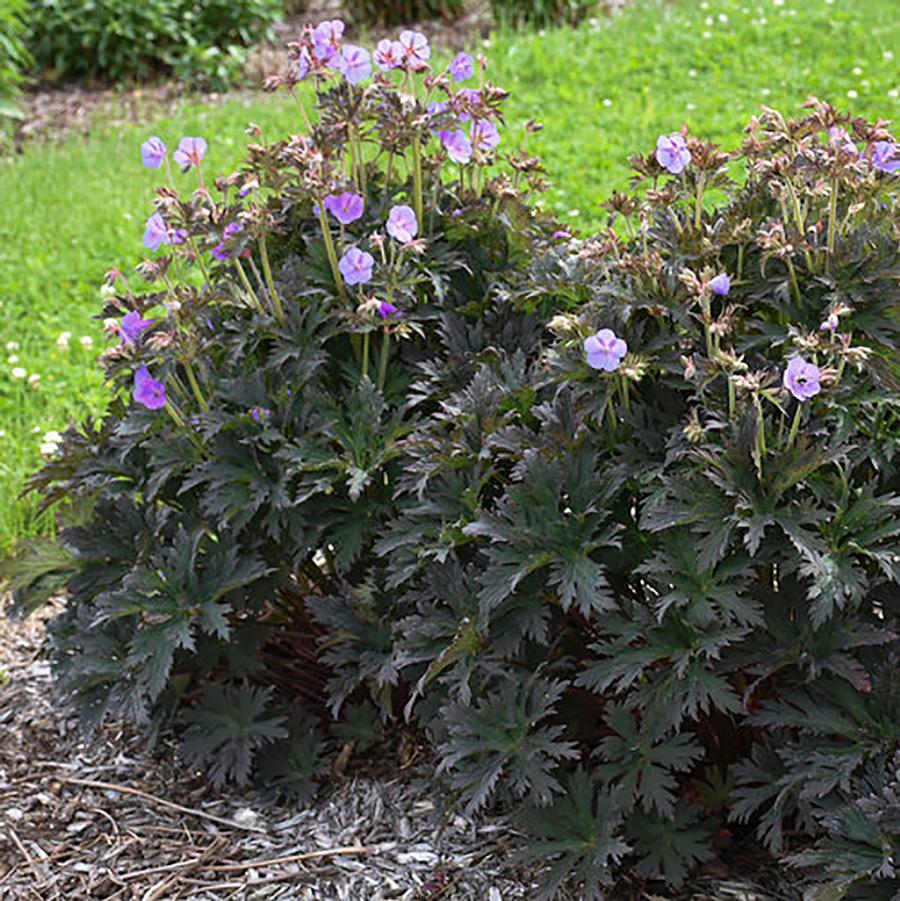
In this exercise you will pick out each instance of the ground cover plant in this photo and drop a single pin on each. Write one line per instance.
(617, 97)
(612, 522)
(13, 61)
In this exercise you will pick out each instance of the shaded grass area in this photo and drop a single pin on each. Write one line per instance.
(603, 92)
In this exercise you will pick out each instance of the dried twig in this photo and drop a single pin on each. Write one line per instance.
(292, 858)
(127, 790)
(23, 851)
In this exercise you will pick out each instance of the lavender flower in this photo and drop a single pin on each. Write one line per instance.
(260, 414)
(326, 39)
(830, 324)
(802, 379)
(604, 350)
(131, 326)
(346, 207)
(356, 266)
(155, 232)
(721, 284)
(485, 135)
(402, 224)
(672, 153)
(886, 156)
(457, 145)
(389, 54)
(839, 139)
(153, 152)
(471, 96)
(388, 310)
(147, 391)
(461, 68)
(304, 64)
(190, 152)
(416, 51)
(354, 63)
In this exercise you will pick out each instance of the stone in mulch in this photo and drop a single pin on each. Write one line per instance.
(111, 820)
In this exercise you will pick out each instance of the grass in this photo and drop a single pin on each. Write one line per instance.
(603, 92)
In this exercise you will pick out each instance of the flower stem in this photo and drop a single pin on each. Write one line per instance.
(365, 357)
(793, 276)
(731, 398)
(383, 361)
(795, 425)
(195, 386)
(417, 178)
(270, 283)
(698, 205)
(329, 249)
(798, 215)
(832, 220)
(247, 286)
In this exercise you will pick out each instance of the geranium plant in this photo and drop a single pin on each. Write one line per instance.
(613, 522)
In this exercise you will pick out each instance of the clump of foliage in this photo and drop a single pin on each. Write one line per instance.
(541, 13)
(13, 57)
(399, 12)
(127, 40)
(613, 522)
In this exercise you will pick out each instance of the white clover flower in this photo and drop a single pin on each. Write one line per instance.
(894, 93)
(86, 341)
(12, 345)
(62, 342)
(853, 94)
(12, 359)
(857, 70)
(33, 380)
(17, 372)
(888, 55)
(607, 101)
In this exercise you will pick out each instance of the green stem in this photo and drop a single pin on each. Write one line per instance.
(793, 276)
(247, 286)
(417, 179)
(329, 249)
(383, 360)
(740, 261)
(365, 357)
(195, 386)
(199, 260)
(270, 282)
(179, 421)
(731, 398)
(832, 220)
(698, 205)
(795, 425)
(798, 215)
(626, 397)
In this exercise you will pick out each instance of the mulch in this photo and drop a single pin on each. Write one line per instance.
(111, 818)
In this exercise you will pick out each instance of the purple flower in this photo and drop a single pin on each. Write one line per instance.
(461, 68)
(260, 414)
(886, 156)
(402, 224)
(672, 153)
(354, 63)
(231, 230)
(179, 236)
(389, 54)
(356, 266)
(472, 97)
(131, 326)
(457, 145)
(604, 350)
(484, 135)
(721, 284)
(830, 324)
(147, 391)
(155, 232)
(561, 235)
(190, 152)
(839, 139)
(304, 63)
(416, 51)
(346, 207)
(388, 310)
(153, 152)
(802, 378)
(435, 108)
(326, 38)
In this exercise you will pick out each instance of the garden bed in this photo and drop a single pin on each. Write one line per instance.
(109, 819)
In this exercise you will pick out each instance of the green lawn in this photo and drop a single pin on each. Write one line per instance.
(603, 92)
